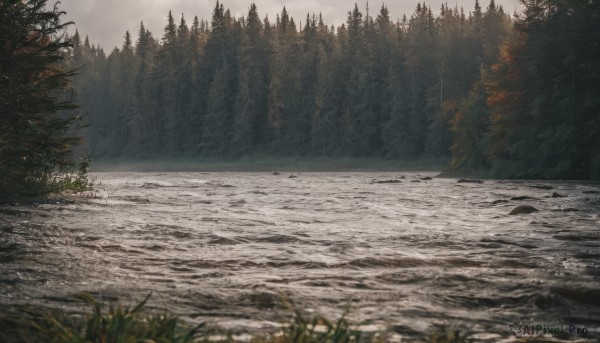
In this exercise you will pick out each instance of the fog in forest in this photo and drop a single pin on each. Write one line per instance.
(380, 174)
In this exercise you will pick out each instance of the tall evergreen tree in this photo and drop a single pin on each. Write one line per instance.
(35, 141)
(251, 103)
(216, 139)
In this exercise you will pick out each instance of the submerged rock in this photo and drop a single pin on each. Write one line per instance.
(523, 197)
(499, 202)
(415, 181)
(523, 209)
(137, 199)
(426, 178)
(292, 176)
(557, 195)
(388, 181)
(10, 212)
(237, 202)
(276, 173)
(223, 240)
(541, 187)
(470, 181)
(151, 185)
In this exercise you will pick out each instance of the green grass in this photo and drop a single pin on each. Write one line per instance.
(270, 164)
(42, 186)
(125, 324)
(301, 329)
(117, 324)
(19, 187)
(448, 334)
(138, 324)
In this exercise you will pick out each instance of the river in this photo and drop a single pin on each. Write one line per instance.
(395, 249)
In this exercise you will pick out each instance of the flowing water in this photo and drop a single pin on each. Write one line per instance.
(396, 250)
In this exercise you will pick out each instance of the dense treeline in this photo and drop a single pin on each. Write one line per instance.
(536, 112)
(244, 85)
(517, 97)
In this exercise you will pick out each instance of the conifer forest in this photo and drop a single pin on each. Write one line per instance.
(501, 94)
(431, 176)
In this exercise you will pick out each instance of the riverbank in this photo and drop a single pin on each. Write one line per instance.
(259, 164)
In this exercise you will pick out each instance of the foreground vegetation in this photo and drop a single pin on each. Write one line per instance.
(121, 324)
(117, 324)
(42, 184)
(125, 324)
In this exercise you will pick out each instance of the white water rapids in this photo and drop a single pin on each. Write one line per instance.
(227, 247)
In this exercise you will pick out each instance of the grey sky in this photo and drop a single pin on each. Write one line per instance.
(105, 21)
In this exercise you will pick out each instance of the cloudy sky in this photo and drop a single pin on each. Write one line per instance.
(105, 21)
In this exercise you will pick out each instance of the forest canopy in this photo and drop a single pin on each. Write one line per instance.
(504, 96)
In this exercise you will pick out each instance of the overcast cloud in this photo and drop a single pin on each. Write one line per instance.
(105, 21)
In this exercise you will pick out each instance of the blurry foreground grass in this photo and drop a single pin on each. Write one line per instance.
(119, 324)
(124, 324)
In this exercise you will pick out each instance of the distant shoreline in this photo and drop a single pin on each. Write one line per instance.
(302, 164)
(285, 164)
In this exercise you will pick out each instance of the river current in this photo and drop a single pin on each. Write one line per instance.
(395, 250)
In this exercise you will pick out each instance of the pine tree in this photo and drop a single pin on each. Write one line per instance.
(129, 134)
(35, 141)
(168, 92)
(400, 130)
(196, 95)
(251, 103)
(216, 139)
(469, 125)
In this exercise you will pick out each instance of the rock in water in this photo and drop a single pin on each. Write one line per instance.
(523, 209)
(557, 195)
(237, 202)
(388, 181)
(523, 197)
(292, 177)
(426, 178)
(541, 187)
(276, 173)
(9, 212)
(470, 181)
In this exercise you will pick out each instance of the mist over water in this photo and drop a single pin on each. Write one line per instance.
(398, 249)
